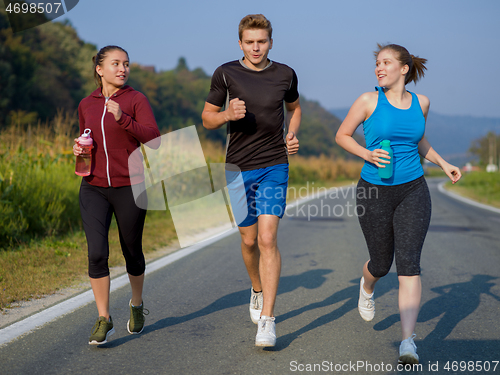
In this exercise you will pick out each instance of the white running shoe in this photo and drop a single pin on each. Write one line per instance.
(256, 301)
(408, 351)
(266, 332)
(366, 303)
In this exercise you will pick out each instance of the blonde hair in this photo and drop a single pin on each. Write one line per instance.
(255, 21)
(415, 64)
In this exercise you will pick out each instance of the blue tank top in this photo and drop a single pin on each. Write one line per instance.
(404, 128)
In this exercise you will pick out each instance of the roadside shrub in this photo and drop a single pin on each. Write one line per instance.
(39, 198)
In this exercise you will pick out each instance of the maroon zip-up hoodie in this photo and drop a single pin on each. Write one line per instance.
(114, 141)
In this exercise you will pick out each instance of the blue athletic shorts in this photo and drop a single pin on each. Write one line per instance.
(265, 193)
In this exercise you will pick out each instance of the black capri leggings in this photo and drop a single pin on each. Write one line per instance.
(394, 221)
(97, 205)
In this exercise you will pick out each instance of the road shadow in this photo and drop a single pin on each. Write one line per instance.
(348, 295)
(310, 280)
(454, 303)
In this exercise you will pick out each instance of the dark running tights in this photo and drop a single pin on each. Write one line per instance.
(394, 221)
(97, 205)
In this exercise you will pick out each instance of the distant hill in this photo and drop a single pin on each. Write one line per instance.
(341, 113)
(451, 136)
(317, 131)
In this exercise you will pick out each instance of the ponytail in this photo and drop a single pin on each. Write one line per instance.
(417, 69)
(416, 65)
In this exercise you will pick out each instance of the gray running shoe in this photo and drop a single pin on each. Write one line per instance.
(101, 331)
(408, 351)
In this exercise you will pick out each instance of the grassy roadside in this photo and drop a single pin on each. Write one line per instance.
(47, 265)
(482, 187)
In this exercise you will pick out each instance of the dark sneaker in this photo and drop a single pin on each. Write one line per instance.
(101, 331)
(136, 323)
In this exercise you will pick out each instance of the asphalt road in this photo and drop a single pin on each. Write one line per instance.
(199, 321)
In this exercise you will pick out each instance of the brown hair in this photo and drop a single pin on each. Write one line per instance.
(99, 58)
(415, 64)
(255, 21)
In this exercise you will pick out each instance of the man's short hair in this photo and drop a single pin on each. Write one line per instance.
(255, 21)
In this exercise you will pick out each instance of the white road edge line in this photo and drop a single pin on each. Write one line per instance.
(466, 200)
(43, 317)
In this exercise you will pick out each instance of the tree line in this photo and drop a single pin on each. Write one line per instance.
(49, 68)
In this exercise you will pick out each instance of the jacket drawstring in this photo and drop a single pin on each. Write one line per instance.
(104, 142)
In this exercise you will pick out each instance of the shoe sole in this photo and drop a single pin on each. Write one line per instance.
(255, 315)
(110, 332)
(265, 343)
(365, 319)
(133, 333)
(408, 359)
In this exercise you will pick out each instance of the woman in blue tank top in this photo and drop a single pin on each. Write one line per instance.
(394, 213)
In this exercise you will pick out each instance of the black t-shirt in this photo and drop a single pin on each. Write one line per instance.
(257, 140)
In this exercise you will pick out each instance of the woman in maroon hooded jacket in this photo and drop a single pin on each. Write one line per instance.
(120, 119)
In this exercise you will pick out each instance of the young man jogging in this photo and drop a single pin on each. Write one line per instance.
(253, 90)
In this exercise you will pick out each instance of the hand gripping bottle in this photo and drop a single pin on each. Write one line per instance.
(387, 171)
(84, 160)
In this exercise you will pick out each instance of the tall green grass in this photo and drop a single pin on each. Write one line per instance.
(481, 186)
(38, 198)
(38, 187)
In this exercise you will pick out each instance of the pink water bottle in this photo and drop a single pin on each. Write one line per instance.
(84, 160)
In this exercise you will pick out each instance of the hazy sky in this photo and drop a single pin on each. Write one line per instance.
(329, 43)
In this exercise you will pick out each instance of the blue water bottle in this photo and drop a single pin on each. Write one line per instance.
(387, 171)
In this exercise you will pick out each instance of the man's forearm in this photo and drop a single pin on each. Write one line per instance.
(294, 117)
(214, 120)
